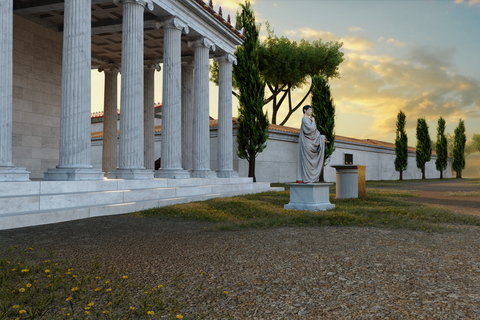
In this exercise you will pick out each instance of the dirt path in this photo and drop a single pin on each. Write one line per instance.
(437, 193)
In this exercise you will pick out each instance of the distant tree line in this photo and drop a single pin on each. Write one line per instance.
(446, 145)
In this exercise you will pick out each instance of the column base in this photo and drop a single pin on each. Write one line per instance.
(72, 174)
(222, 173)
(130, 174)
(203, 173)
(172, 174)
(12, 173)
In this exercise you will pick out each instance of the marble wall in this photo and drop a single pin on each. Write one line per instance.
(37, 78)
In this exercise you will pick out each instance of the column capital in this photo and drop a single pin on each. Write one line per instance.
(226, 58)
(202, 42)
(109, 68)
(173, 23)
(152, 65)
(144, 3)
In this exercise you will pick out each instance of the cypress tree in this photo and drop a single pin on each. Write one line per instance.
(423, 150)
(401, 145)
(441, 147)
(323, 109)
(459, 141)
(252, 127)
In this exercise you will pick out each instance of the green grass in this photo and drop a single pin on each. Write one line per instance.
(382, 208)
(464, 194)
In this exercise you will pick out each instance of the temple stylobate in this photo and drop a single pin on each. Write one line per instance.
(131, 37)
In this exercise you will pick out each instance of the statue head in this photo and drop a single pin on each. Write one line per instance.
(306, 107)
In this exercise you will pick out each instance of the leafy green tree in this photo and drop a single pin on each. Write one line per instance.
(441, 147)
(473, 146)
(459, 141)
(423, 150)
(252, 127)
(323, 109)
(401, 145)
(286, 65)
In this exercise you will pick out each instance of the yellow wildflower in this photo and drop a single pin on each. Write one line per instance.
(47, 271)
(108, 290)
(90, 304)
(160, 286)
(88, 313)
(47, 261)
(75, 289)
(25, 270)
(97, 289)
(150, 313)
(107, 282)
(132, 308)
(225, 292)
(29, 285)
(125, 277)
(21, 289)
(16, 306)
(22, 311)
(68, 299)
(179, 316)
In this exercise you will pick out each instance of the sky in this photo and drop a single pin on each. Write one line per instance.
(418, 56)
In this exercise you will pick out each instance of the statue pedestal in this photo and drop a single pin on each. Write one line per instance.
(309, 196)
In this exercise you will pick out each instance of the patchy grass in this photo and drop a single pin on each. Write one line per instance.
(381, 208)
(36, 284)
(464, 193)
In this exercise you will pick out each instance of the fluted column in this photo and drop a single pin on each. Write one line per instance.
(110, 118)
(187, 114)
(8, 172)
(75, 138)
(201, 120)
(225, 147)
(149, 113)
(131, 146)
(171, 152)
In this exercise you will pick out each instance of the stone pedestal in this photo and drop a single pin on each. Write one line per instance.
(347, 181)
(309, 196)
(75, 138)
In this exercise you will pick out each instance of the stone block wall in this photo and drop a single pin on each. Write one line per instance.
(37, 78)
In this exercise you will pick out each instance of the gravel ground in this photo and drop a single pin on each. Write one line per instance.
(284, 273)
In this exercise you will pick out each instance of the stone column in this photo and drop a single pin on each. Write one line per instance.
(149, 113)
(75, 137)
(187, 114)
(110, 118)
(201, 120)
(131, 146)
(225, 145)
(171, 107)
(8, 172)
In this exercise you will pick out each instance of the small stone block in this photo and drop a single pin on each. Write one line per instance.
(309, 196)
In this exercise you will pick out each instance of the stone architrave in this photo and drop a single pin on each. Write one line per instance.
(171, 151)
(75, 138)
(201, 119)
(187, 113)
(225, 138)
(110, 118)
(149, 113)
(8, 172)
(131, 146)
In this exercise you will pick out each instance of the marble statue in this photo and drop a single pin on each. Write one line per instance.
(311, 147)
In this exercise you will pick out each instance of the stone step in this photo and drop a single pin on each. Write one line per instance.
(30, 210)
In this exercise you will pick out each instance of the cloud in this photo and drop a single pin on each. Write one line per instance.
(356, 29)
(230, 5)
(421, 85)
(396, 42)
(350, 43)
(470, 3)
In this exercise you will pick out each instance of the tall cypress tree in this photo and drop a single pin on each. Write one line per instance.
(424, 149)
(401, 145)
(324, 113)
(459, 141)
(441, 147)
(252, 127)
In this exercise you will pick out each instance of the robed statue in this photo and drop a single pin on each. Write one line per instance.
(311, 149)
